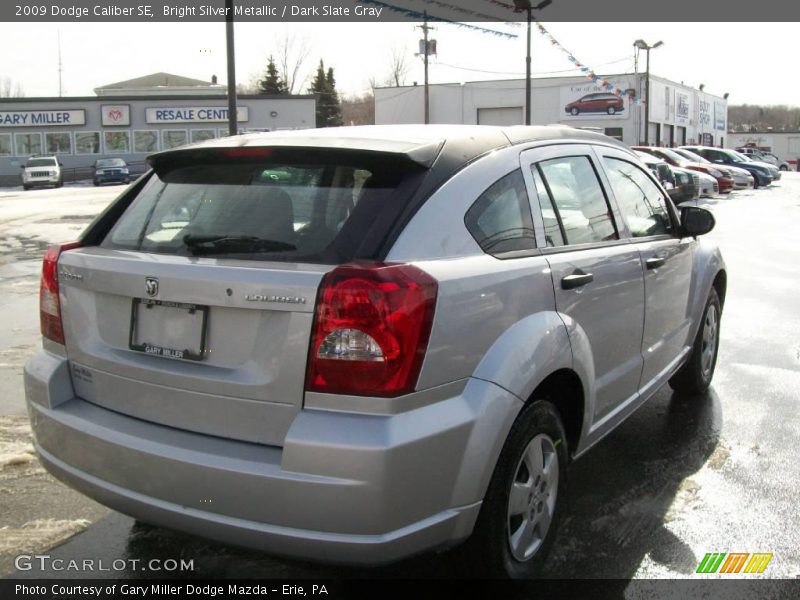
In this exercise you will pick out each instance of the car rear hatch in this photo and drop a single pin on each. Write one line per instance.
(194, 308)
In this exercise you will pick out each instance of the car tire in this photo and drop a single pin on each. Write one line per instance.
(783, 168)
(574, 111)
(611, 110)
(60, 184)
(694, 377)
(515, 529)
(96, 183)
(26, 187)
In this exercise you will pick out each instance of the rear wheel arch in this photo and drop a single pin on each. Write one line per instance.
(564, 389)
(721, 285)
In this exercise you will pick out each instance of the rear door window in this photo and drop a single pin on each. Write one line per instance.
(290, 207)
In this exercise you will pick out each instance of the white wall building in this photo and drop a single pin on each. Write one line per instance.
(679, 114)
(784, 144)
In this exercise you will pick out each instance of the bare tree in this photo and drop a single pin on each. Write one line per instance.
(359, 109)
(250, 86)
(10, 89)
(398, 66)
(292, 52)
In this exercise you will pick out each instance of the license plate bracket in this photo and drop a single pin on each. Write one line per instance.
(175, 322)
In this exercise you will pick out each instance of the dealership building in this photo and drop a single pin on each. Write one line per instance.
(132, 119)
(679, 114)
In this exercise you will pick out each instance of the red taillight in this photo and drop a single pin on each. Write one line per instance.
(49, 304)
(371, 330)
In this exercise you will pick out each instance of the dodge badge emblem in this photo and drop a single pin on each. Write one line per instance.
(151, 286)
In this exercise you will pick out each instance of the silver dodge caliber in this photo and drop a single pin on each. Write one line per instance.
(353, 345)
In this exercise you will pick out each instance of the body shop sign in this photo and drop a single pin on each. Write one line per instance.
(194, 114)
(41, 118)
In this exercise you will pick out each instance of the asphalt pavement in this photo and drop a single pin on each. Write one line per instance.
(682, 477)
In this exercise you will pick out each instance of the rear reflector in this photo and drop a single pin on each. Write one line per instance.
(49, 303)
(371, 330)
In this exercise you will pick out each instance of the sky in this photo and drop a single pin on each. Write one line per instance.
(749, 61)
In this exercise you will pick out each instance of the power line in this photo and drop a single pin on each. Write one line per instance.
(627, 58)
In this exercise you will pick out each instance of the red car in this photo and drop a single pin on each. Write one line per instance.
(599, 102)
(723, 177)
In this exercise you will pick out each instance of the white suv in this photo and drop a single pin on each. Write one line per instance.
(42, 170)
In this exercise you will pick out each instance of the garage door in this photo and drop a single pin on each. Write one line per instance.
(500, 116)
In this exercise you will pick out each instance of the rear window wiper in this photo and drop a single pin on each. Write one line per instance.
(210, 244)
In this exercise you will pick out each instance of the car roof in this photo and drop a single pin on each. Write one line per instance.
(423, 144)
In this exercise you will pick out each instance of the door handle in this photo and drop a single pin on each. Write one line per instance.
(577, 279)
(655, 262)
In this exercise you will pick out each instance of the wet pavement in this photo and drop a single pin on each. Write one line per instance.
(682, 477)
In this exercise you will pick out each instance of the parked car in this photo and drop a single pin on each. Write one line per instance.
(42, 171)
(722, 177)
(707, 186)
(686, 183)
(398, 346)
(599, 102)
(763, 156)
(111, 170)
(773, 170)
(742, 179)
(776, 161)
(762, 173)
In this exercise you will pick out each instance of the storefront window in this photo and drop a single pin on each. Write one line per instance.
(87, 142)
(5, 144)
(200, 135)
(117, 142)
(58, 143)
(172, 138)
(28, 143)
(145, 141)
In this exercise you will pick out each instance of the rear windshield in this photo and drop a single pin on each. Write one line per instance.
(291, 206)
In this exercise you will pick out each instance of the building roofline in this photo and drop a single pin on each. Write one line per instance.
(522, 79)
(159, 97)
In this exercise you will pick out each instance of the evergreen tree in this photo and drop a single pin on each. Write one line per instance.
(272, 82)
(329, 109)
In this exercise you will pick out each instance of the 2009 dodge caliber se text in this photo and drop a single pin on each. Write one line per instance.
(357, 344)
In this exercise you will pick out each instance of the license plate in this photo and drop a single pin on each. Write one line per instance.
(169, 329)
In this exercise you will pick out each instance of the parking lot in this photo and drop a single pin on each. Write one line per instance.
(683, 477)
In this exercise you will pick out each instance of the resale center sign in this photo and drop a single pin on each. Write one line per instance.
(194, 114)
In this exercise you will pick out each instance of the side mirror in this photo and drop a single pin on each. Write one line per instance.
(696, 221)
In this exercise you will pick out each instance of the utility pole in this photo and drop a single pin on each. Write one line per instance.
(425, 52)
(60, 87)
(529, 8)
(232, 121)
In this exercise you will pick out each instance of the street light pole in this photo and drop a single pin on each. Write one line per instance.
(528, 8)
(642, 45)
(232, 116)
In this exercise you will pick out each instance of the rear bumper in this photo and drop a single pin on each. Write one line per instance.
(346, 488)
